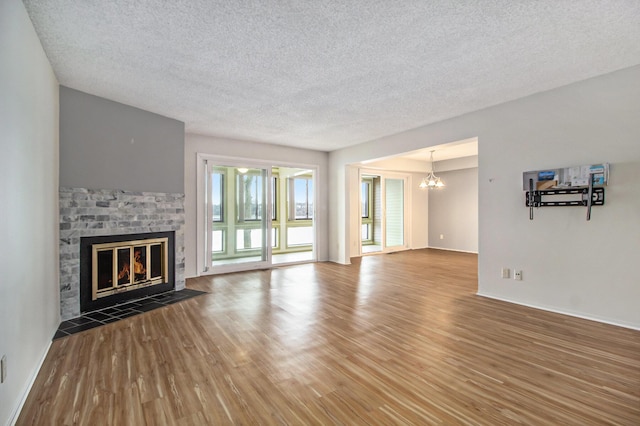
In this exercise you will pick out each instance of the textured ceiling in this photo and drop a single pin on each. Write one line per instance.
(326, 74)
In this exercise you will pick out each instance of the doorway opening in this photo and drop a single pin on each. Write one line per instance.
(443, 217)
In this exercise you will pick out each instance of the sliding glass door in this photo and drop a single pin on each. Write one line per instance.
(293, 219)
(394, 213)
(383, 211)
(238, 216)
(254, 215)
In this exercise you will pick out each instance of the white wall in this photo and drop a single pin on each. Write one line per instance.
(570, 265)
(420, 217)
(283, 155)
(29, 305)
(456, 164)
(453, 211)
(400, 164)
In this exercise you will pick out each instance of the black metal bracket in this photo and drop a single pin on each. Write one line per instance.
(597, 197)
(578, 180)
(590, 197)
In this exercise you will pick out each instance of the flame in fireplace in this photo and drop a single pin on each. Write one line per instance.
(124, 272)
(138, 267)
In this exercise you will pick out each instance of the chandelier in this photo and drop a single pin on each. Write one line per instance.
(431, 180)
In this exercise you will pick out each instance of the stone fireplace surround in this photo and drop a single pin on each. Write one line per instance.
(98, 212)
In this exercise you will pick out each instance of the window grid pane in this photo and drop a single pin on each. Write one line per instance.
(249, 198)
(217, 196)
(217, 241)
(299, 236)
(303, 198)
(365, 232)
(365, 199)
(247, 239)
(274, 198)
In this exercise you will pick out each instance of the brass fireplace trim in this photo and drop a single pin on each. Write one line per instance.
(114, 247)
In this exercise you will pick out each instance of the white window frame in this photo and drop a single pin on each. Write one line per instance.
(203, 249)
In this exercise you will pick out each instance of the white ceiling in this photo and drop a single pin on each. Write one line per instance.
(326, 74)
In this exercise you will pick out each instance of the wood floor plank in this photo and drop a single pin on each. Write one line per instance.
(392, 339)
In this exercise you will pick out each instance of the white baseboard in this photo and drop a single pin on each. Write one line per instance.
(16, 412)
(450, 249)
(563, 312)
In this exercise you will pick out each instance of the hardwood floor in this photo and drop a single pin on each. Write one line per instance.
(396, 339)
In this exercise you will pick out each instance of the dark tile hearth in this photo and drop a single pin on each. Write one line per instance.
(124, 310)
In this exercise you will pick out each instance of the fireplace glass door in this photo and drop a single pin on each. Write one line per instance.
(128, 265)
(238, 218)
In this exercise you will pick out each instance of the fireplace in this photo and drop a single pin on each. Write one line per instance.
(117, 268)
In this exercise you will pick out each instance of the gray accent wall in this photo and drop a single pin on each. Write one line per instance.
(453, 211)
(29, 292)
(109, 145)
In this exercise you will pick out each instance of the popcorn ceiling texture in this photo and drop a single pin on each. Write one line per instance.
(94, 212)
(326, 74)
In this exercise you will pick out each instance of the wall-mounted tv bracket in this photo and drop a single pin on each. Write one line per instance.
(545, 183)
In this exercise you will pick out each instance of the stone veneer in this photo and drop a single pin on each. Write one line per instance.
(96, 212)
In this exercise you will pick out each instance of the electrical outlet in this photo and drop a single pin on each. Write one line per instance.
(517, 275)
(3, 369)
(442, 236)
(506, 273)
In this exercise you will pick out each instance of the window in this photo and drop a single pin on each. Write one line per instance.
(217, 241)
(366, 186)
(217, 195)
(367, 213)
(364, 231)
(300, 198)
(249, 197)
(218, 209)
(248, 239)
(299, 236)
(274, 198)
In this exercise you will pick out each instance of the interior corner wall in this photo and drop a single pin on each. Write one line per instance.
(29, 306)
(453, 211)
(278, 154)
(109, 145)
(570, 265)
